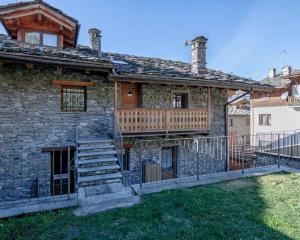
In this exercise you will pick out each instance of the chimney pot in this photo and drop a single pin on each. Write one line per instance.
(286, 71)
(95, 40)
(272, 73)
(198, 54)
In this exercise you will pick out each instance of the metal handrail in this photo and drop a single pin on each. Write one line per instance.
(118, 141)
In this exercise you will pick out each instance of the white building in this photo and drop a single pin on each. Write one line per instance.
(278, 111)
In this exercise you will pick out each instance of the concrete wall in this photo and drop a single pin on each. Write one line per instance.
(283, 118)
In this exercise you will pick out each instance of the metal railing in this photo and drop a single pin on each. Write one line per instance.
(118, 142)
(36, 172)
(165, 159)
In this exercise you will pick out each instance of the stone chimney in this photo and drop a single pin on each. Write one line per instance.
(95, 40)
(272, 73)
(286, 71)
(198, 54)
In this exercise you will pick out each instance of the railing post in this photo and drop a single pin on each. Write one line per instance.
(243, 158)
(141, 165)
(278, 163)
(68, 167)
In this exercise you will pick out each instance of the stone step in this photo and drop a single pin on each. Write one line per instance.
(91, 154)
(101, 160)
(99, 177)
(94, 140)
(106, 205)
(96, 169)
(93, 147)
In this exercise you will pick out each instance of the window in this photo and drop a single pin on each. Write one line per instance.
(265, 119)
(168, 162)
(33, 38)
(247, 121)
(73, 99)
(50, 40)
(43, 39)
(180, 100)
(126, 159)
(231, 122)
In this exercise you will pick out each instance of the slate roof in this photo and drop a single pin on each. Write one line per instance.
(279, 81)
(83, 54)
(233, 111)
(125, 65)
(137, 65)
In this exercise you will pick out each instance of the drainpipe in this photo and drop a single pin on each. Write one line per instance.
(226, 124)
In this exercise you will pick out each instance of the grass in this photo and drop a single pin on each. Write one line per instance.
(266, 207)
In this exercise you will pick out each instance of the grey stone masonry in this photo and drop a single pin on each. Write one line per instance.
(31, 119)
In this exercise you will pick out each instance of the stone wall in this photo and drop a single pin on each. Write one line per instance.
(159, 96)
(31, 118)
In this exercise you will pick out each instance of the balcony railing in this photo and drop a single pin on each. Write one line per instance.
(294, 101)
(140, 120)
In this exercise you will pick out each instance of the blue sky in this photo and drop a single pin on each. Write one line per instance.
(244, 37)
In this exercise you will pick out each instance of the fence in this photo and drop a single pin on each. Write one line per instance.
(28, 173)
(164, 159)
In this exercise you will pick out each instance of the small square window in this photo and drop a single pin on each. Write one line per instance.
(50, 40)
(32, 38)
(265, 119)
(180, 100)
(73, 99)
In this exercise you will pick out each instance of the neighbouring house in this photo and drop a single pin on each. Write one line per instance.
(66, 108)
(239, 118)
(277, 111)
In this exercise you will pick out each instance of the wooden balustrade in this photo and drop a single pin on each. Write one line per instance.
(294, 101)
(155, 120)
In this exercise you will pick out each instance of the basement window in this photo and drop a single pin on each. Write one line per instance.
(265, 119)
(62, 171)
(73, 99)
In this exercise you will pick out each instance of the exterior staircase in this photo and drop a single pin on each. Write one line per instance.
(97, 162)
(99, 177)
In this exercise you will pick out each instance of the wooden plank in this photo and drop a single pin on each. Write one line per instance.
(73, 83)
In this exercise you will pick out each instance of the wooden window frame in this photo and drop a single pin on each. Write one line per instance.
(73, 87)
(179, 92)
(261, 122)
(41, 33)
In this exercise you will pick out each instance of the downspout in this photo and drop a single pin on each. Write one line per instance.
(226, 124)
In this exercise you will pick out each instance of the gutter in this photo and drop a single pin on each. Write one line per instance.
(226, 124)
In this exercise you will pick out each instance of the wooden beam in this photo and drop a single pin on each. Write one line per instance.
(116, 96)
(39, 17)
(73, 83)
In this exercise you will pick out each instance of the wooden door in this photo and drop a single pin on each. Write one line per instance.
(168, 163)
(130, 95)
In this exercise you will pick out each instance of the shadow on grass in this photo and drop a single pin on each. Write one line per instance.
(253, 208)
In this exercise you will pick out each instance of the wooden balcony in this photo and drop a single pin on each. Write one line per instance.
(294, 101)
(142, 120)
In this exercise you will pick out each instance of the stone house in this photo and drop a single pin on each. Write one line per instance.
(66, 108)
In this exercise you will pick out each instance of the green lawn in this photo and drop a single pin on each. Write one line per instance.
(265, 207)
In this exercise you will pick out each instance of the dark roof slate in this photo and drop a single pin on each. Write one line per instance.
(124, 64)
(279, 81)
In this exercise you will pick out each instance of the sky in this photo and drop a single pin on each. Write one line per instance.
(244, 37)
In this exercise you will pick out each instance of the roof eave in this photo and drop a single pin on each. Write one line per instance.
(190, 82)
(71, 63)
